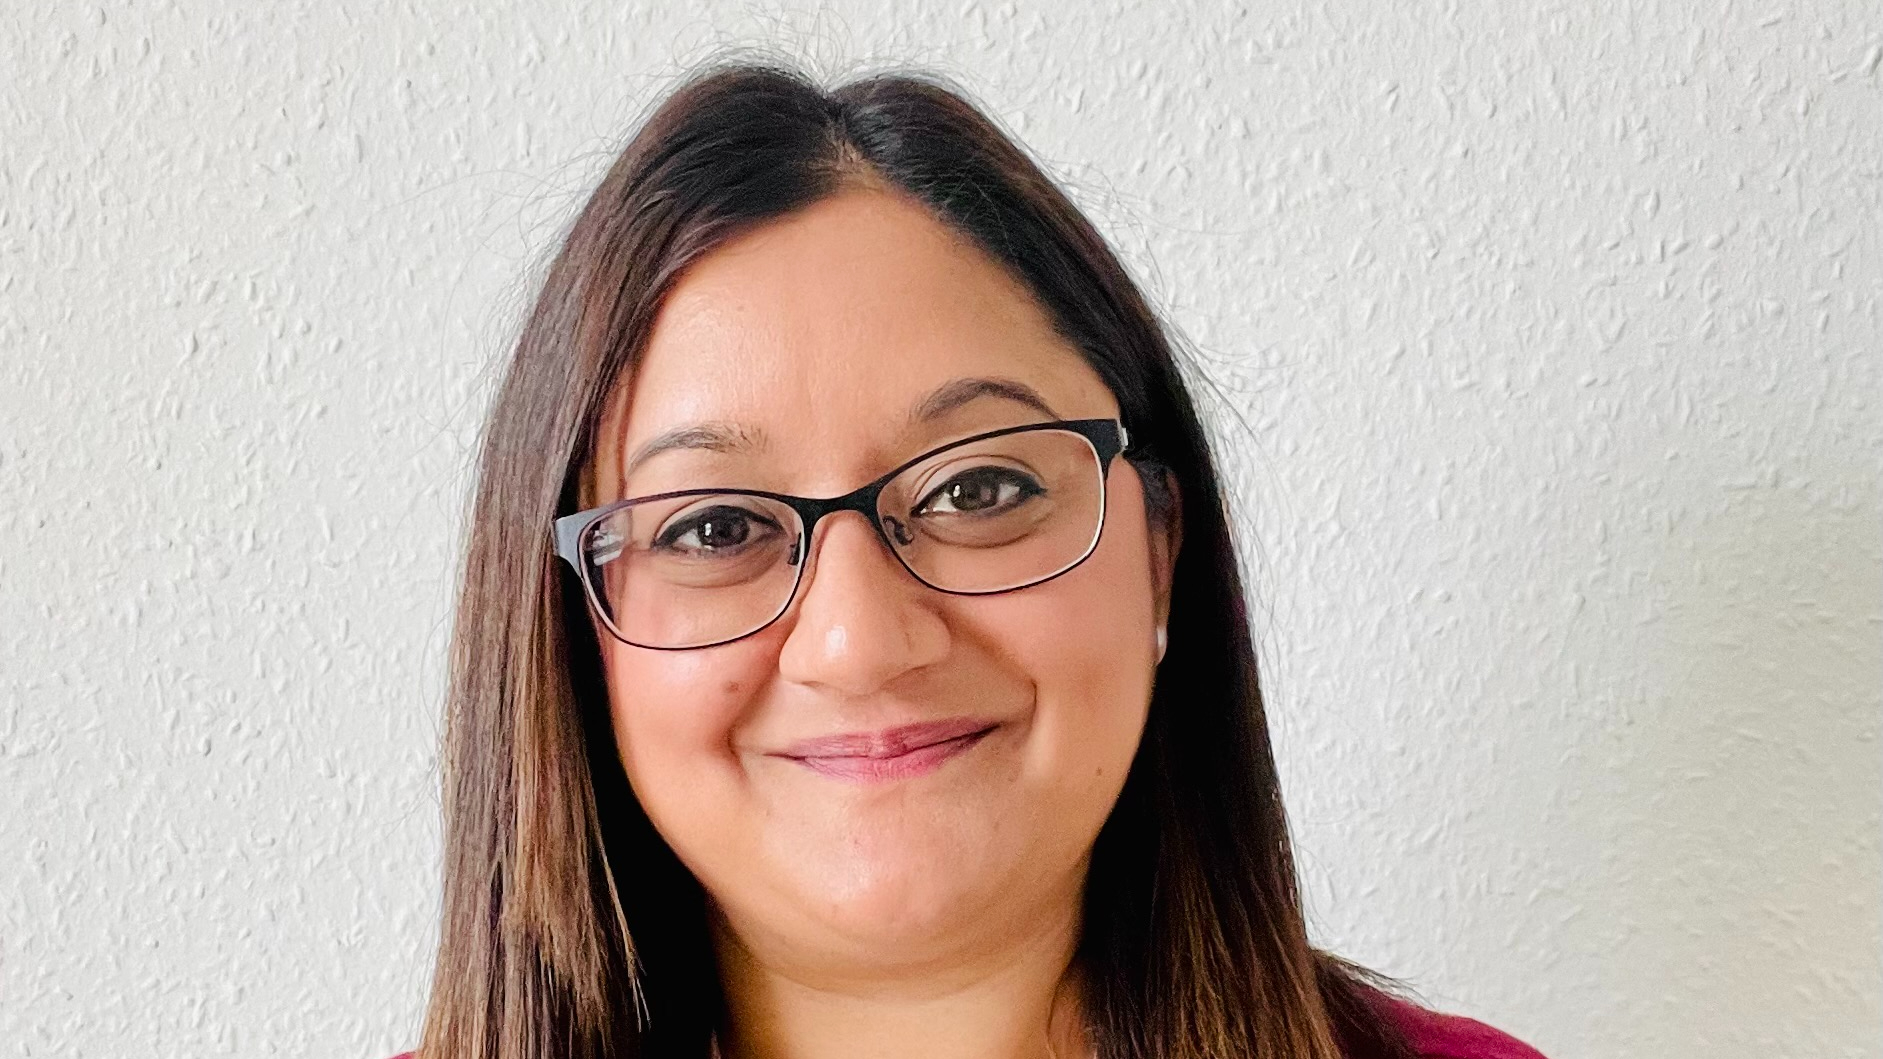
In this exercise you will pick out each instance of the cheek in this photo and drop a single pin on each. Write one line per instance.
(1085, 642)
(673, 713)
(1105, 608)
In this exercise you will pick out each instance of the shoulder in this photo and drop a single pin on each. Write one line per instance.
(1438, 1035)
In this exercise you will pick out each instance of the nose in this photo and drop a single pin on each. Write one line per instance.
(860, 619)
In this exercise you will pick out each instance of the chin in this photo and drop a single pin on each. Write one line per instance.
(902, 907)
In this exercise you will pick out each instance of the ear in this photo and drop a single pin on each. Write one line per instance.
(1166, 539)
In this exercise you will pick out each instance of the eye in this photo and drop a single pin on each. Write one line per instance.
(719, 528)
(980, 491)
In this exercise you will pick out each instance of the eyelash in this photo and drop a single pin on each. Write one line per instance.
(1025, 486)
(665, 538)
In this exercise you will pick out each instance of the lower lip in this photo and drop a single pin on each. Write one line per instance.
(917, 762)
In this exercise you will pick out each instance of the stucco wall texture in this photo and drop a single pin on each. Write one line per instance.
(1541, 338)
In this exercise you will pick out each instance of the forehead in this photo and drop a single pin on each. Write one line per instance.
(823, 329)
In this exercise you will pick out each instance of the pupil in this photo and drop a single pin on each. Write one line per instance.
(974, 492)
(719, 531)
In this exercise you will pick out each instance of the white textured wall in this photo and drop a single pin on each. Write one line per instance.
(1553, 330)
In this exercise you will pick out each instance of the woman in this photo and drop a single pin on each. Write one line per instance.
(851, 656)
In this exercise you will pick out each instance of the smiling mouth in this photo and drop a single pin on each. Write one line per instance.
(912, 762)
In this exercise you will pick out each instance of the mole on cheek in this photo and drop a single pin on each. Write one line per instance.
(732, 688)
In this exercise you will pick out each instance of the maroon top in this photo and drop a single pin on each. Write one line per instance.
(1434, 1035)
(1438, 1035)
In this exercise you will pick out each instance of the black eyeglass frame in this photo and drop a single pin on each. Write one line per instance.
(1107, 437)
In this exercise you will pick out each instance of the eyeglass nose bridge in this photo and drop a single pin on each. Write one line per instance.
(862, 500)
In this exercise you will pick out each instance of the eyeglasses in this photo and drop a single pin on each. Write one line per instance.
(996, 512)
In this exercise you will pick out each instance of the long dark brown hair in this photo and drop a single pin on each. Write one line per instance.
(570, 930)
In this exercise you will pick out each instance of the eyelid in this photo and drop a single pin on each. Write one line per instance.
(693, 512)
(922, 487)
(717, 498)
(922, 496)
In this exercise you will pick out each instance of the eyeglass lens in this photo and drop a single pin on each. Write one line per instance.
(987, 516)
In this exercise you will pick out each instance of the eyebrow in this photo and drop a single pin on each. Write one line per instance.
(952, 395)
(712, 437)
(732, 438)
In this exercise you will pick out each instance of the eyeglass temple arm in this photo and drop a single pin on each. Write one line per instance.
(566, 534)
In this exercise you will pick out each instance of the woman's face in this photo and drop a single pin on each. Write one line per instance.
(814, 339)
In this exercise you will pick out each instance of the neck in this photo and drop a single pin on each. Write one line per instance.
(1020, 999)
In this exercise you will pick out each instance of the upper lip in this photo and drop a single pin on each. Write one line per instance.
(889, 742)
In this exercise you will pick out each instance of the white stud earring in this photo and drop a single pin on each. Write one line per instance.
(1163, 641)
